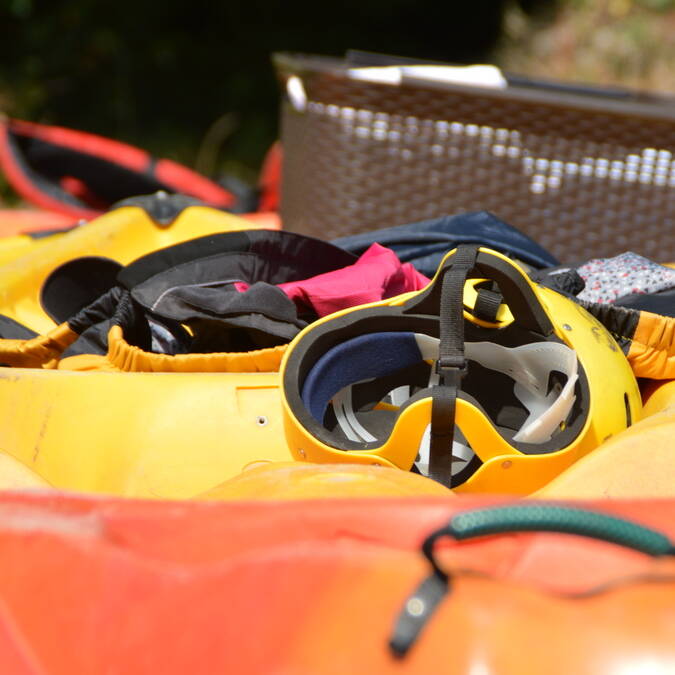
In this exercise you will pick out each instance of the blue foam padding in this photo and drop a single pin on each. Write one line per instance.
(361, 358)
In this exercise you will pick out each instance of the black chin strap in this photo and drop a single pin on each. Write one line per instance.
(451, 364)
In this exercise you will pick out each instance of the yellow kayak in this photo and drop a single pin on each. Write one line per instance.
(166, 435)
(122, 235)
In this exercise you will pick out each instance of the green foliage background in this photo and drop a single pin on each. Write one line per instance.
(159, 74)
(193, 81)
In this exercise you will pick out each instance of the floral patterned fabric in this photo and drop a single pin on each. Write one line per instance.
(609, 279)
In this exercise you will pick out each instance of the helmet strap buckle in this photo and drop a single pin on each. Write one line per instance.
(451, 370)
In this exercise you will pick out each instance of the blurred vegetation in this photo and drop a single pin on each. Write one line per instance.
(161, 75)
(193, 81)
(630, 43)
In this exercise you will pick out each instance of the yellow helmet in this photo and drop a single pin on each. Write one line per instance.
(483, 381)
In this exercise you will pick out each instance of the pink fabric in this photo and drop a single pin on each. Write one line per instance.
(378, 274)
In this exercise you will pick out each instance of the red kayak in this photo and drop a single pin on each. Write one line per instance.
(81, 175)
(91, 585)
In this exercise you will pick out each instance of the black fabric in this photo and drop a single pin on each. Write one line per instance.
(262, 310)
(292, 257)
(196, 283)
(239, 334)
(132, 319)
(13, 330)
(186, 303)
(76, 284)
(193, 283)
(148, 266)
(116, 308)
(662, 303)
(92, 340)
(565, 280)
(94, 322)
(621, 322)
(260, 255)
(102, 309)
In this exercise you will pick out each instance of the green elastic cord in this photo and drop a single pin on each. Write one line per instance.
(539, 517)
(559, 518)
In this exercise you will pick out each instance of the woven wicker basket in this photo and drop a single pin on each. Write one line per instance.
(586, 173)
